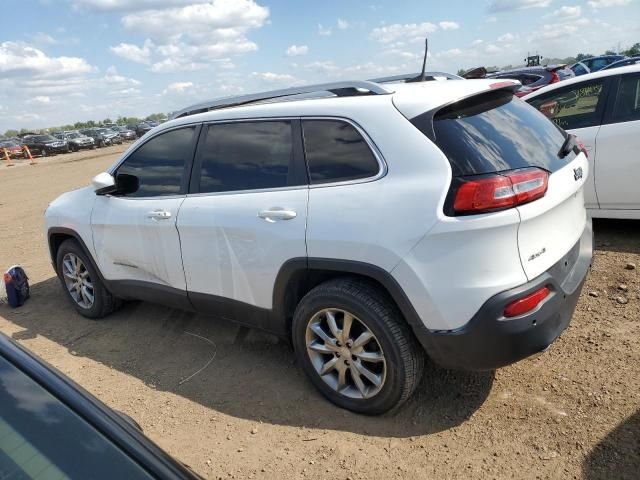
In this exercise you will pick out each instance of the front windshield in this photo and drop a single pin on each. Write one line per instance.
(44, 138)
(74, 135)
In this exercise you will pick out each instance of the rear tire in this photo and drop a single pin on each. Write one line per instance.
(81, 282)
(371, 377)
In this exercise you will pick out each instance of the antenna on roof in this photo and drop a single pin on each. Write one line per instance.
(424, 61)
(423, 77)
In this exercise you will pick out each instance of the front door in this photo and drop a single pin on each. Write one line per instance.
(134, 234)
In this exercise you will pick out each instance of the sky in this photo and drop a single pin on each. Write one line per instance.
(63, 61)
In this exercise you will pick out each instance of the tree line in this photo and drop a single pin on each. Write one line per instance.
(156, 117)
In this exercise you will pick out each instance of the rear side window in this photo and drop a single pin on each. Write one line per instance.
(159, 164)
(493, 132)
(577, 106)
(336, 152)
(627, 106)
(246, 156)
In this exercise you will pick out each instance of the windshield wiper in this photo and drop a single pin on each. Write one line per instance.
(568, 146)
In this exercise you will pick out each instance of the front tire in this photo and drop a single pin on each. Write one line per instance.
(355, 347)
(81, 282)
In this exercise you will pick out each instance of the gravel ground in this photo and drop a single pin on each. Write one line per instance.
(574, 412)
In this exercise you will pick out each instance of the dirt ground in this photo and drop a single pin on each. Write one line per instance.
(574, 412)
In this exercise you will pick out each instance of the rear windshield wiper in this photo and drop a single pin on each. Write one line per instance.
(568, 146)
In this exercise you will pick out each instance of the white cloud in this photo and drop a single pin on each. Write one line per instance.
(134, 53)
(324, 31)
(446, 25)
(492, 49)
(322, 67)
(41, 38)
(409, 32)
(41, 99)
(343, 24)
(477, 42)
(565, 12)
(506, 38)
(113, 77)
(190, 37)
(274, 77)
(178, 87)
(18, 59)
(295, 50)
(509, 5)
(608, 3)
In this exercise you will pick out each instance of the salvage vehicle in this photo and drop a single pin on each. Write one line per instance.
(534, 78)
(603, 111)
(50, 427)
(368, 223)
(13, 148)
(100, 138)
(76, 140)
(45, 145)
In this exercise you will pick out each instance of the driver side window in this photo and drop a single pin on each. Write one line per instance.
(160, 164)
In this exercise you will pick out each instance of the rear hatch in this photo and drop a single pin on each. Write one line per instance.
(497, 143)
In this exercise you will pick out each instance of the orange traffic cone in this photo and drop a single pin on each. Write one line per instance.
(7, 157)
(31, 160)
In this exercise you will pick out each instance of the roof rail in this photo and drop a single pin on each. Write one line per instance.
(407, 77)
(340, 89)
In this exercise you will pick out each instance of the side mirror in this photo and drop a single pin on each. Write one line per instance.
(126, 183)
(103, 183)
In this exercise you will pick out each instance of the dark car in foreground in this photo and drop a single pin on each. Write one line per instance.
(45, 145)
(76, 140)
(533, 78)
(51, 428)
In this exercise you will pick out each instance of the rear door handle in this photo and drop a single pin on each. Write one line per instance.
(159, 215)
(273, 214)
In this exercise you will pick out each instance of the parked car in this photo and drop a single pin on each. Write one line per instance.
(76, 140)
(140, 128)
(45, 145)
(100, 138)
(606, 117)
(12, 147)
(597, 63)
(533, 78)
(50, 427)
(112, 135)
(623, 63)
(368, 225)
(579, 68)
(125, 133)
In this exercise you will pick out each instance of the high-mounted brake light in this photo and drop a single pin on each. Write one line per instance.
(497, 85)
(526, 304)
(500, 191)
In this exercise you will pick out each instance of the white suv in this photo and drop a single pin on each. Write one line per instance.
(367, 222)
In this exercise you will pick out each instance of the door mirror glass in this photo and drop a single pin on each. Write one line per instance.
(103, 183)
(127, 184)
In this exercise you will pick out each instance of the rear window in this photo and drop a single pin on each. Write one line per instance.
(494, 132)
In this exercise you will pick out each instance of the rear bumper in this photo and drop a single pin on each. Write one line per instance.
(489, 341)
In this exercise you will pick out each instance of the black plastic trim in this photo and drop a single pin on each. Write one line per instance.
(108, 422)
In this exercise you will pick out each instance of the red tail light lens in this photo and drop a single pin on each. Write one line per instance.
(555, 78)
(526, 304)
(500, 191)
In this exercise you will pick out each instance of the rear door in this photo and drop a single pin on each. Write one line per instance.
(245, 216)
(618, 166)
(579, 109)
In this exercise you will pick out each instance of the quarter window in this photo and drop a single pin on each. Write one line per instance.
(627, 107)
(574, 107)
(247, 156)
(336, 152)
(159, 164)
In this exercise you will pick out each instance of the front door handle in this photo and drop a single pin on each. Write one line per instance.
(273, 214)
(159, 215)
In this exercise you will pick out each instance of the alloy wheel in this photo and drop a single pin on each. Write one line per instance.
(77, 280)
(345, 353)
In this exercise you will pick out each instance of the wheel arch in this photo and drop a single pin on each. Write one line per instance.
(299, 275)
(57, 235)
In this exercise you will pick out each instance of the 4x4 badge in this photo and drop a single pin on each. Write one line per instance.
(577, 173)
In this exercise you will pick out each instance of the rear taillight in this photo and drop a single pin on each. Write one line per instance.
(526, 304)
(555, 78)
(499, 191)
